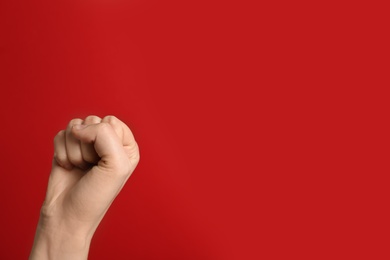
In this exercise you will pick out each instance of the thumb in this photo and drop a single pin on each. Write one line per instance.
(104, 139)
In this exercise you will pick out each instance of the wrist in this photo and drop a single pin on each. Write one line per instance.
(55, 240)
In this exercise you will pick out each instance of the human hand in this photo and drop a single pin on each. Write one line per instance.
(92, 161)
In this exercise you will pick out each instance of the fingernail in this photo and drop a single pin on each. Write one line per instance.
(79, 127)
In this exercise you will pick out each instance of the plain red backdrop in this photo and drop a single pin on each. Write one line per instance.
(262, 126)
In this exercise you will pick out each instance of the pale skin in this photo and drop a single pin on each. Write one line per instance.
(93, 159)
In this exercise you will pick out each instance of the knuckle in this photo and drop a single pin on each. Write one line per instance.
(115, 123)
(56, 157)
(47, 211)
(59, 136)
(61, 159)
(112, 120)
(75, 121)
(92, 119)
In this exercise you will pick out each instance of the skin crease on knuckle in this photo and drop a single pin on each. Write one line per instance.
(113, 121)
(92, 119)
(110, 119)
(75, 121)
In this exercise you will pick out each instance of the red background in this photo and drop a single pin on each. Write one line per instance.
(263, 127)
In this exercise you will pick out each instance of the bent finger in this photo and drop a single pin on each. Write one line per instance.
(73, 145)
(87, 149)
(105, 141)
(60, 154)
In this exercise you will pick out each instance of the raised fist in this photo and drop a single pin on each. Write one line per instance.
(93, 158)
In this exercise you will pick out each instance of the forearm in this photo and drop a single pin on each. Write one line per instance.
(55, 242)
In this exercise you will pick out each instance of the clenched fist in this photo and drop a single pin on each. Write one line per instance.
(93, 158)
